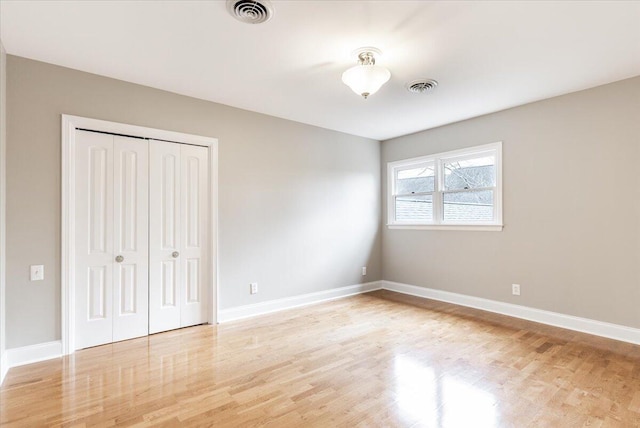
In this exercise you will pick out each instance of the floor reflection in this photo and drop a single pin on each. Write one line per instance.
(442, 401)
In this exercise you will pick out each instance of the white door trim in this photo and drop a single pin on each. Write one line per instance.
(69, 126)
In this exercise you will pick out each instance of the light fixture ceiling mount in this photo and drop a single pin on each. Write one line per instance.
(366, 78)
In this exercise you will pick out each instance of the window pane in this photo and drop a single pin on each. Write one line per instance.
(415, 209)
(468, 207)
(470, 173)
(415, 180)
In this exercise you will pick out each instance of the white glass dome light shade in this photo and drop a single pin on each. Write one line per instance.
(366, 79)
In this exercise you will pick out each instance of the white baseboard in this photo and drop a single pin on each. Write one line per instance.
(33, 353)
(584, 325)
(44, 351)
(4, 366)
(262, 308)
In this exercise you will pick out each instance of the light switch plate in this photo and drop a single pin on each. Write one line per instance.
(37, 272)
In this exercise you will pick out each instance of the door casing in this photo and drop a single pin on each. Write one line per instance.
(69, 126)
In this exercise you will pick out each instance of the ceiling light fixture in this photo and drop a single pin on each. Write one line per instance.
(366, 78)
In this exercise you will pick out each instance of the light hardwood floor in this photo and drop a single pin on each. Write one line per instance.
(380, 359)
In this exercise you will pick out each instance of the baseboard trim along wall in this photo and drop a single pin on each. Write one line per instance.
(4, 366)
(584, 325)
(33, 353)
(44, 351)
(262, 308)
(569, 322)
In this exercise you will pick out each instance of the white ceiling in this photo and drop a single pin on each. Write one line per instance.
(487, 56)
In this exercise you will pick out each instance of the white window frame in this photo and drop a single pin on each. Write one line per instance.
(437, 160)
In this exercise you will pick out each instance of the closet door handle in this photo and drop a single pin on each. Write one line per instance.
(175, 254)
(119, 259)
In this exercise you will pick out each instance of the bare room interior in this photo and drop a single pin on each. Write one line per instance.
(237, 213)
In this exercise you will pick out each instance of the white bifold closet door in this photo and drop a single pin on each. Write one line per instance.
(112, 243)
(178, 240)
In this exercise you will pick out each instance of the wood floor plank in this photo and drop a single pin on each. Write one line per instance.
(376, 360)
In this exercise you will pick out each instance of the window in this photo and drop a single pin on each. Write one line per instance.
(454, 190)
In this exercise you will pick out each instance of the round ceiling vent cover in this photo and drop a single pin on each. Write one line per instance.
(421, 86)
(250, 11)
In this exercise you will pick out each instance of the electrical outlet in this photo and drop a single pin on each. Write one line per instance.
(364, 270)
(37, 272)
(254, 288)
(515, 289)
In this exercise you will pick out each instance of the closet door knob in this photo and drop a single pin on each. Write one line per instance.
(175, 254)
(119, 259)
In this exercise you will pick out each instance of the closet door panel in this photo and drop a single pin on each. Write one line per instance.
(94, 243)
(131, 238)
(165, 273)
(194, 233)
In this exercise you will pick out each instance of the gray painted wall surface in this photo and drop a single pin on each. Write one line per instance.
(571, 208)
(299, 206)
(3, 158)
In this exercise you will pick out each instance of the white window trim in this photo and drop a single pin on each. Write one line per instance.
(438, 159)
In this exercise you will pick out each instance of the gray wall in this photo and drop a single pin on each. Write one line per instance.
(3, 135)
(571, 208)
(299, 206)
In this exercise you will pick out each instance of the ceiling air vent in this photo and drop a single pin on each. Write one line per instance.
(250, 11)
(421, 86)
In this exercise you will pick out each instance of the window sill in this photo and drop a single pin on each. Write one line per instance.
(474, 227)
